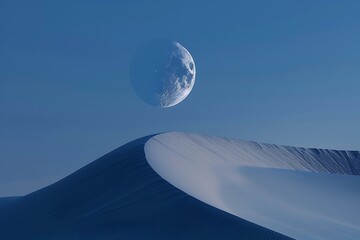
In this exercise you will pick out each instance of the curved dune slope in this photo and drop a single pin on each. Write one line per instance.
(302, 193)
(119, 196)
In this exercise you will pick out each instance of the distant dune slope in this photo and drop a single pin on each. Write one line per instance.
(119, 196)
(302, 193)
(7, 201)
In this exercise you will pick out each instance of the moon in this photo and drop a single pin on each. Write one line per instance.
(162, 73)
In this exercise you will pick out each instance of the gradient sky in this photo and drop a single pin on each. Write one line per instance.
(285, 72)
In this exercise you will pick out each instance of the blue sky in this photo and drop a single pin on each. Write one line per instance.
(283, 72)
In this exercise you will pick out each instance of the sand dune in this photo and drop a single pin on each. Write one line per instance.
(189, 186)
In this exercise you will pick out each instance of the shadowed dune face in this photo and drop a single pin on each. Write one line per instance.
(302, 193)
(119, 196)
